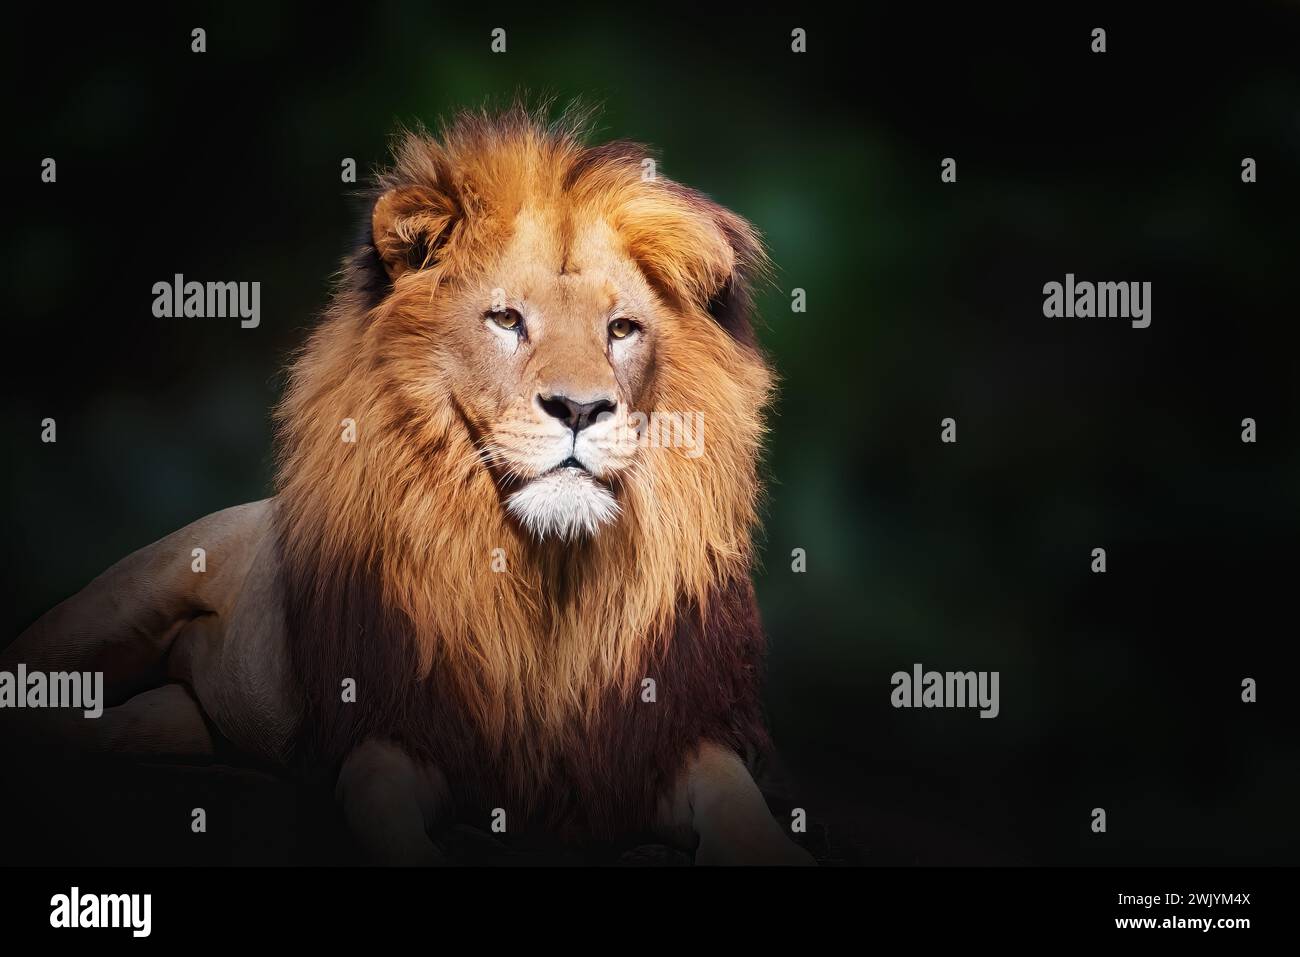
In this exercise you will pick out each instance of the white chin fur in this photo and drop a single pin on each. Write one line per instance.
(566, 504)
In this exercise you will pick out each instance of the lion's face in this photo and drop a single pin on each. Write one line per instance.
(549, 349)
(533, 287)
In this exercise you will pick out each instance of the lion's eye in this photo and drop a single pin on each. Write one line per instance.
(507, 319)
(622, 328)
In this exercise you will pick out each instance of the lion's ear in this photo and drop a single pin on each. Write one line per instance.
(731, 302)
(698, 251)
(409, 224)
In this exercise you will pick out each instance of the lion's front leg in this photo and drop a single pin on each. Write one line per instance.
(391, 802)
(716, 802)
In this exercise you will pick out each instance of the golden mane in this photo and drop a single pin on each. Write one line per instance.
(399, 529)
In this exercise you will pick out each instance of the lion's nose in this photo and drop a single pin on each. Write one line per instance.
(576, 415)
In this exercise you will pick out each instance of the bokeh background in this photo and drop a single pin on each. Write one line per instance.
(924, 301)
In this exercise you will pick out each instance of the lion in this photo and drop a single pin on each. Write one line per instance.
(478, 593)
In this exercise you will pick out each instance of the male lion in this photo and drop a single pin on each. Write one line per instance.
(479, 589)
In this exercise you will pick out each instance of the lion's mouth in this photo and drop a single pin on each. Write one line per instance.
(570, 463)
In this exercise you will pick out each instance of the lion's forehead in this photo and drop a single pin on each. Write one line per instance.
(561, 261)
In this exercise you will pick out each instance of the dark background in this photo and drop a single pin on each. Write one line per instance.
(924, 301)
